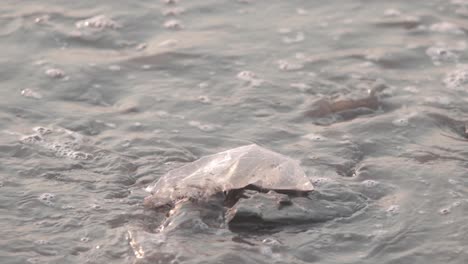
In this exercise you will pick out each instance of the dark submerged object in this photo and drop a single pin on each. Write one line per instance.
(347, 108)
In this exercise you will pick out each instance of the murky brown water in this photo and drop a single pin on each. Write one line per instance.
(101, 99)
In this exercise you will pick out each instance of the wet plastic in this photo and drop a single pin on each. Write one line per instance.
(231, 169)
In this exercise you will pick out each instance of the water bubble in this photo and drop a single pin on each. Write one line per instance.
(42, 19)
(246, 75)
(168, 43)
(303, 87)
(411, 89)
(299, 37)
(80, 155)
(55, 73)
(401, 122)
(47, 198)
(141, 46)
(41, 242)
(392, 12)
(314, 137)
(98, 22)
(204, 99)
(203, 127)
(115, 68)
(43, 130)
(173, 24)
(146, 67)
(393, 209)
(31, 139)
(320, 181)
(173, 11)
(271, 242)
(370, 183)
(162, 113)
(452, 181)
(457, 79)
(301, 11)
(30, 93)
(199, 225)
(284, 30)
(288, 66)
(444, 211)
(170, 2)
(441, 54)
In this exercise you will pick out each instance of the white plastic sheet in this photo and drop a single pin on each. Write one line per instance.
(230, 169)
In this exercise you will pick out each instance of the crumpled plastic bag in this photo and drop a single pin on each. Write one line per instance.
(231, 169)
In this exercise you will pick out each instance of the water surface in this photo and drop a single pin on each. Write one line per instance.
(99, 100)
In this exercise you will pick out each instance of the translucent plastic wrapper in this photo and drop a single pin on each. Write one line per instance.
(231, 169)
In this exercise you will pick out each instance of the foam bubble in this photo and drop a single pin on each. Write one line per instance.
(31, 139)
(393, 209)
(30, 93)
(441, 54)
(446, 27)
(170, 2)
(98, 22)
(284, 30)
(303, 87)
(320, 181)
(204, 99)
(288, 66)
(55, 73)
(299, 37)
(141, 46)
(42, 19)
(442, 100)
(444, 211)
(61, 148)
(271, 242)
(392, 12)
(173, 11)
(203, 127)
(301, 11)
(41, 242)
(457, 79)
(173, 24)
(246, 75)
(115, 68)
(411, 89)
(401, 122)
(370, 183)
(168, 43)
(250, 77)
(47, 198)
(315, 137)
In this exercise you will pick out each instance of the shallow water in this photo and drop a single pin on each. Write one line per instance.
(99, 100)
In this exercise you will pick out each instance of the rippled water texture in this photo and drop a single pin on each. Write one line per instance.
(99, 99)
